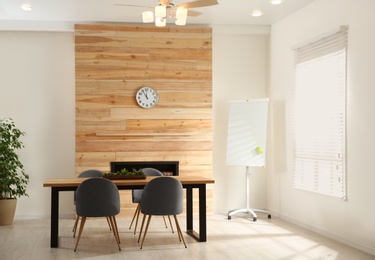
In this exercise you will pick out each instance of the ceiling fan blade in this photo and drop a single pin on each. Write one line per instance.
(193, 13)
(201, 3)
(164, 2)
(134, 5)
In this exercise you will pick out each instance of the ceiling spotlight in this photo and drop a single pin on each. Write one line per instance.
(256, 12)
(276, 2)
(27, 7)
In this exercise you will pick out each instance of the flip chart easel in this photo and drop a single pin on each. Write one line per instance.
(246, 143)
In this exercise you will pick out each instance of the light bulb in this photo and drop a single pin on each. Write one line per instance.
(160, 11)
(180, 22)
(160, 22)
(181, 13)
(147, 17)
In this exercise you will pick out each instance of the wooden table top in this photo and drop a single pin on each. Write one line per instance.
(75, 182)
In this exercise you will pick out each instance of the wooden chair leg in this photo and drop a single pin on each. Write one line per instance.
(165, 222)
(135, 215)
(144, 235)
(112, 220)
(143, 222)
(108, 223)
(75, 226)
(116, 228)
(83, 220)
(179, 230)
(136, 221)
(170, 223)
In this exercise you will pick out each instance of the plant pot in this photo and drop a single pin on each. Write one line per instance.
(7, 211)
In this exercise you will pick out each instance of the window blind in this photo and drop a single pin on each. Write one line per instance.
(319, 115)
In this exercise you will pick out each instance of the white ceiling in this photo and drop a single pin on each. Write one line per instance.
(228, 12)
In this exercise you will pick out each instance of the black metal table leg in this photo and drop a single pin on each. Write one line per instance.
(54, 217)
(202, 214)
(189, 209)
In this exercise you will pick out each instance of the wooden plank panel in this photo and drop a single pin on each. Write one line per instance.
(93, 86)
(112, 63)
(134, 74)
(117, 62)
(177, 99)
(129, 145)
(163, 113)
(177, 124)
(147, 42)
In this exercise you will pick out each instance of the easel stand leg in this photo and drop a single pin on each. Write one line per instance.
(247, 210)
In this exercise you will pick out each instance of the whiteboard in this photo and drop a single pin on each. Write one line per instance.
(247, 132)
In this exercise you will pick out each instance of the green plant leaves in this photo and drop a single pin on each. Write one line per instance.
(125, 172)
(13, 179)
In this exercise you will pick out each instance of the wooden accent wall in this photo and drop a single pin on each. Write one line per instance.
(111, 63)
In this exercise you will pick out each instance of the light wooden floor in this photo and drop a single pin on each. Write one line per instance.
(237, 239)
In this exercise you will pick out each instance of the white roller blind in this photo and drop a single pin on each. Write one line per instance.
(319, 115)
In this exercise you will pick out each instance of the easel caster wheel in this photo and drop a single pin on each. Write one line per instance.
(269, 216)
(229, 217)
(254, 219)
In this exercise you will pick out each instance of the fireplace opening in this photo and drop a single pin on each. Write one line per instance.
(168, 168)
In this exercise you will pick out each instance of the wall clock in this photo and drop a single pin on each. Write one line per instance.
(147, 97)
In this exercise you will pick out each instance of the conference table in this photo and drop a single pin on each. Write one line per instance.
(188, 182)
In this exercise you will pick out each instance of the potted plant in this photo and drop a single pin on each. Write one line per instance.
(125, 174)
(13, 179)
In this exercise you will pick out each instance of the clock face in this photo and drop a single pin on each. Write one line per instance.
(147, 97)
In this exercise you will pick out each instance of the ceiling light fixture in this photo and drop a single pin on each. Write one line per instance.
(26, 7)
(147, 17)
(162, 12)
(256, 13)
(160, 22)
(166, 10)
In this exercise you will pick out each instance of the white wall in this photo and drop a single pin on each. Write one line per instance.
(240, 69)
(350, 221)
(37, 91)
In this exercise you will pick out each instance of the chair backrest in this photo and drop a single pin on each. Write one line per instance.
(136, 194)
(91, 173)
(162, 196)
(152, 172)
(97, 197)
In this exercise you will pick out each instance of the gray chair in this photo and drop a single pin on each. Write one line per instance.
(136, 198)
(98, 197)
(91, 173)
(162, 196)
(85, 174)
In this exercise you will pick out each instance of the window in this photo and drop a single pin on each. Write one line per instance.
(319, 115)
